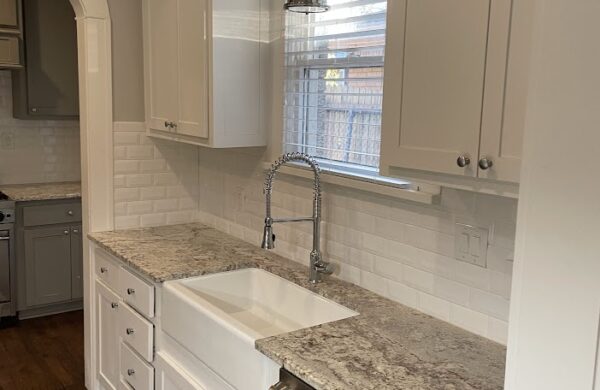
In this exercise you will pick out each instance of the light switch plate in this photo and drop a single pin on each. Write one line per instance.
(470, 244)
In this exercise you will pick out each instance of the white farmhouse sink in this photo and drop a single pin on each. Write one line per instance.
(218, 318)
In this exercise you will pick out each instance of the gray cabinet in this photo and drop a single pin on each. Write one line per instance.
(8, 14)
(49, 257)
(47, 87)
(48, 265)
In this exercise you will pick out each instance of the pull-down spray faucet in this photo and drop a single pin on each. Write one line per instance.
(317, 265)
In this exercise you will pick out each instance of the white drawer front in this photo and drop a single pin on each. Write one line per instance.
(136, 331)
(137, 293)
(135, 371)
(107, 270)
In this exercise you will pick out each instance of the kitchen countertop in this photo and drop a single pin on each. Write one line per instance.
(42, 191)
(387, 346)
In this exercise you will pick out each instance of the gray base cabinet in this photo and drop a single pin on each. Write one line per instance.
(49, 254)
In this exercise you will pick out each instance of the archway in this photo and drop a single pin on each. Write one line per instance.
(96, 121)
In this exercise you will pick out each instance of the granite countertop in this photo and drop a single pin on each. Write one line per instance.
(42, 191)
(387, 346)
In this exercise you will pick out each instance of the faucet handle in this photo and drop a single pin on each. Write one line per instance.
(324, 267)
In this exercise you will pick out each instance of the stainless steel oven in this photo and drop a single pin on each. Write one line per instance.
(8, 304)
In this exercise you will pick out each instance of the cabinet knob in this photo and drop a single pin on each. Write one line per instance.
(114, 305)
(130, 291)
(463, 161)
(130, 372)
(485, 163)
(103, 270)
(130, 331)
(173, 125)
(66, 232)
(70, 213)
(167, 124)
(75, 231)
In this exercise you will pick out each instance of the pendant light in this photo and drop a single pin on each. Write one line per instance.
(306, 6)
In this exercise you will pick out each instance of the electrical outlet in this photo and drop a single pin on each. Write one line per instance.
(7, 140)
(470, 244)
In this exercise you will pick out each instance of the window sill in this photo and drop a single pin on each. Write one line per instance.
(401, 189)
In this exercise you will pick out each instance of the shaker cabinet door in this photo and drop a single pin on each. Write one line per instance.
(193, 68)
(503, 123)
(107, 322)
(161, 56)
(8, 14)
(434, 82)
(47, 265)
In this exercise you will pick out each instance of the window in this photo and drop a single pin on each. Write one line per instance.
(334, 83)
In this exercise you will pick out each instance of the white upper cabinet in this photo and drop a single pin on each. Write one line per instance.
(202, 67)
(446, 89)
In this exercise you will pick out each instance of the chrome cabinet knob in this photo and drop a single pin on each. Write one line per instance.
(75, 231)
(130, 330)
(66, 232)
(130, 372)
(70, 213)
(114, 305)
(173, 125)
(103, 270)
(463, 161)
(130, 291)
(485, 163)
(167, 124)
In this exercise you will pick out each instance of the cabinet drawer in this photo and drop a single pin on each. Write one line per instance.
(9, 51)
(135, 371)
(107, 270)
(52, 214)
(137, 332)
(137, 293)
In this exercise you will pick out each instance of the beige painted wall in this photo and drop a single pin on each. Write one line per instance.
(127, 60)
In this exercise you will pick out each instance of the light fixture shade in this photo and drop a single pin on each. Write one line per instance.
(306, 6)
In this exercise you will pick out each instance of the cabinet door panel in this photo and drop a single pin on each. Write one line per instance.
(51, 56)
(503, 122)
(48, 265)
(161, 51)
(434, 83)
(8, 13)
(193, 68)
(107, 317)
(76, 263)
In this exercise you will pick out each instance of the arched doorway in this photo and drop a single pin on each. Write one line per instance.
(96, 121)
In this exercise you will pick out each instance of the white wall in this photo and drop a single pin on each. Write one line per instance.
(35, 151)
(556, 295)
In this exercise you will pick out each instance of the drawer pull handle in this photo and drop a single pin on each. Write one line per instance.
(130, 372)
(130, 291)
(66, 232)
(130, 331)
(70, 212)
(103, 270)
(114, 305)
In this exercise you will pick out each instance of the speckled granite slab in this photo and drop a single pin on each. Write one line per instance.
(42, 191)
(387, 346)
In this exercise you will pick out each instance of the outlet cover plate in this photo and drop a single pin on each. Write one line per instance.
(470, 244)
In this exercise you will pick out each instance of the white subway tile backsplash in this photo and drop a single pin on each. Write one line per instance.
(35, 151)
(434, 306)
(399, 249)
(488, 303)
(151, 187)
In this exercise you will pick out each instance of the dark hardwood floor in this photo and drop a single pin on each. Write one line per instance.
(43, 353)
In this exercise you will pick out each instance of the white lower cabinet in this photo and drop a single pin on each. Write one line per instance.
(124, 335)
(135, 370)
(107, 319)
(170, 376)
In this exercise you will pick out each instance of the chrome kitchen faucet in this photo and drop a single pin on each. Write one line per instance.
(317, 265)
